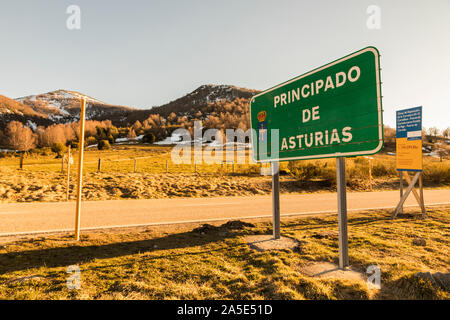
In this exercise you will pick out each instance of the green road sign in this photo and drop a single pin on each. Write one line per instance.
(332, 111)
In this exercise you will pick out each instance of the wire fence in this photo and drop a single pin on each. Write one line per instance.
(149, 164)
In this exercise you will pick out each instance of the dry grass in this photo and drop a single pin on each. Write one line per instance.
(42, 179)
(216, 263)
(357, 170)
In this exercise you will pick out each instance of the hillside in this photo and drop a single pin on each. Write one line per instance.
(203, 96)
(12, 110)
(206, 99)
(63, 106)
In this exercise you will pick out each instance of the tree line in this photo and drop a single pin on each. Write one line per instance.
(221, 115)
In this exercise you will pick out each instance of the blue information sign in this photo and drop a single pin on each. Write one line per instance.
(409, 139)
(409, 123)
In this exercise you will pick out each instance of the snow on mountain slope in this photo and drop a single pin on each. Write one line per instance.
(203, 95)
(63, 106)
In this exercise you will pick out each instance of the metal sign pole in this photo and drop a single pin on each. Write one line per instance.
(276, 199)
(342, 213)
(80, 169)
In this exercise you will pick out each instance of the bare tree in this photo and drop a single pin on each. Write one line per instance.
(433, 132)
(389, 134)
(20, 137)
(446, 133)
(440, 150)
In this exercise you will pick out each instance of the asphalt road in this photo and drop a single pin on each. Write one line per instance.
(22, 218)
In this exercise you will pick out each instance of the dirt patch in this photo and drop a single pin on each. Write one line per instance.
(230, 225)
(237, 225)
(267, 242)
(206, 228)
(325, 235)
(330, 270)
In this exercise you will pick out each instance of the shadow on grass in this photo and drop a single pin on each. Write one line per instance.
(321, 222)
(77, 254)
(411, 287)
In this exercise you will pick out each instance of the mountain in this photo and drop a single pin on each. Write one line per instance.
(202, 96)
(63, 106)
(12, 110)
(198, 99)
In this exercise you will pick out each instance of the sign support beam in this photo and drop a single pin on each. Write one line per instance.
(276, 199)
(401, 189)
(424, 213)
(342, 213)
(419, 198)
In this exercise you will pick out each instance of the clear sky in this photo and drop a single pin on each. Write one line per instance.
(146, 53)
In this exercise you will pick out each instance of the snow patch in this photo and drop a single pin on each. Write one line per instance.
(31, 125)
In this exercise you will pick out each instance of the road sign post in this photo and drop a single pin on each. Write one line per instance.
(333, 111)
(276, 199)
(80, 169)
(342, 212)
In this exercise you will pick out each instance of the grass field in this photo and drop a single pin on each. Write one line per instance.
(42, 179)
(150, 159)
(183, 262)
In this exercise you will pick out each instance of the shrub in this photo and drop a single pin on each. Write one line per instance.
(384, 169)
(91, 141)
(74, 144)
(45, 151)
(59, 148)
(149, 138)
(306, 171)
(111, 139)
(104, 145)
(437, 173)
(360, 160)
(113, 131)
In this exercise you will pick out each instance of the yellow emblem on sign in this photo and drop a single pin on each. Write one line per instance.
(262, 116)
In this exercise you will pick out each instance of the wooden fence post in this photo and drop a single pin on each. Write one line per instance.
(135, 165)
(21, 161)
(99, 165)
(69, 157)
(80, 169)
